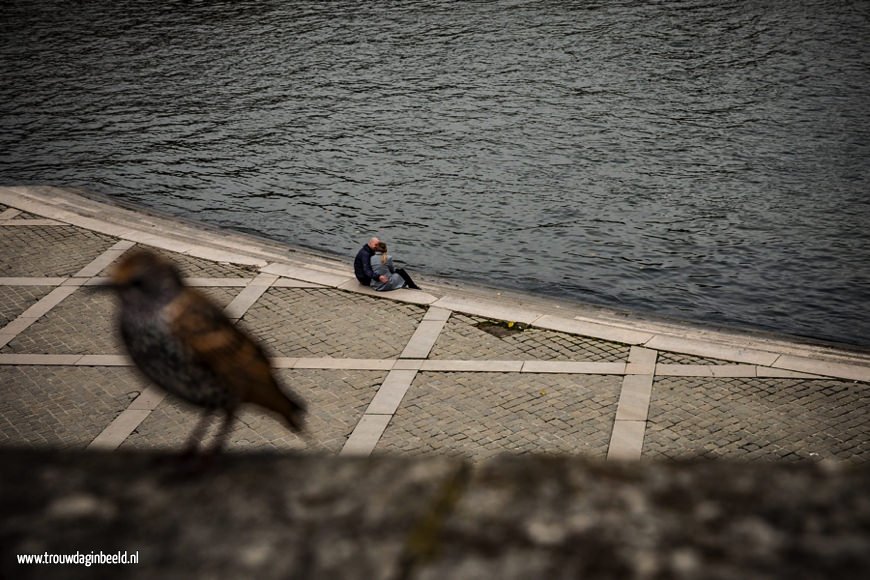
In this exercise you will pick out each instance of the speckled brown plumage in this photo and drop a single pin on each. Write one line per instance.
(185, 344)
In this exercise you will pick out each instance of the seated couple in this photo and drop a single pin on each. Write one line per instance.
(374, 267)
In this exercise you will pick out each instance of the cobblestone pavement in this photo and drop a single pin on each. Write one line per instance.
(769, 419)
(60, 405)
(478, 338)
(504, 413)
(316, 322)
(14, 300)
(336, 398)
(403, 372)
(48, 250)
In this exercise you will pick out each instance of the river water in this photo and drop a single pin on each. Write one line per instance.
(699, 160)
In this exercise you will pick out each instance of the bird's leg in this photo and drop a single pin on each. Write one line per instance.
(218, 443)
(192, 444)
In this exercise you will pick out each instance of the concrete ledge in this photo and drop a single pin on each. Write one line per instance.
(306, 275)
(487, 309)
(304, 516)
(401, 295)
(712, 350)
(592, 329)
(289, 283)
(832, 369)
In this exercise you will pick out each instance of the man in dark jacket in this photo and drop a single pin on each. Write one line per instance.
(362, 265)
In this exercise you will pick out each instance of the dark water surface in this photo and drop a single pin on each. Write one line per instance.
(701, 160)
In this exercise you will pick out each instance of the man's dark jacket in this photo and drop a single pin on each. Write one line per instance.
(362, 265)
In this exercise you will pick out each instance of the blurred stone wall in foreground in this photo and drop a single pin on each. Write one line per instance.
(308, 516)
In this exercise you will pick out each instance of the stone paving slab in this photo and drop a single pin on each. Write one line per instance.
(61, 406)
(488, 309)
(463, 338)
(336, 400)
(593, 329)
(759, 419)
(481, 415)
(71, 248)
(675, 358)
(312, 323)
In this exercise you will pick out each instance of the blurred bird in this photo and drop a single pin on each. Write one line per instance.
(185, 344)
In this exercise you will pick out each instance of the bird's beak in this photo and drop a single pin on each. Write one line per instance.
(99, 285)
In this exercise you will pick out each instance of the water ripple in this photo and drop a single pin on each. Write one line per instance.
(690, 159)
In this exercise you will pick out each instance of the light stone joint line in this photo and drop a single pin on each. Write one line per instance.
(34, 313)
(626, 441)
(634, 398)
(49, 301)
(118, 430)
(102, 261)
(424, 339)
(632, 411)
(218, 282)
(385, 403)
(40, 359)
(104, 360)
(642, 360)
(475, 366)
(389, 396)
(586, 368)
(247, 297)
(358, 364)
(32, 281)
(366, 435)
(130, 418)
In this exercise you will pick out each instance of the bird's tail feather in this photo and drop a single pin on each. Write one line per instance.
(282, 402)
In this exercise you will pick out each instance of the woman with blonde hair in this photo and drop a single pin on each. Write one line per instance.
(382, 265)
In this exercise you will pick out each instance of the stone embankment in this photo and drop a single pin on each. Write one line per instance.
(310, 516)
